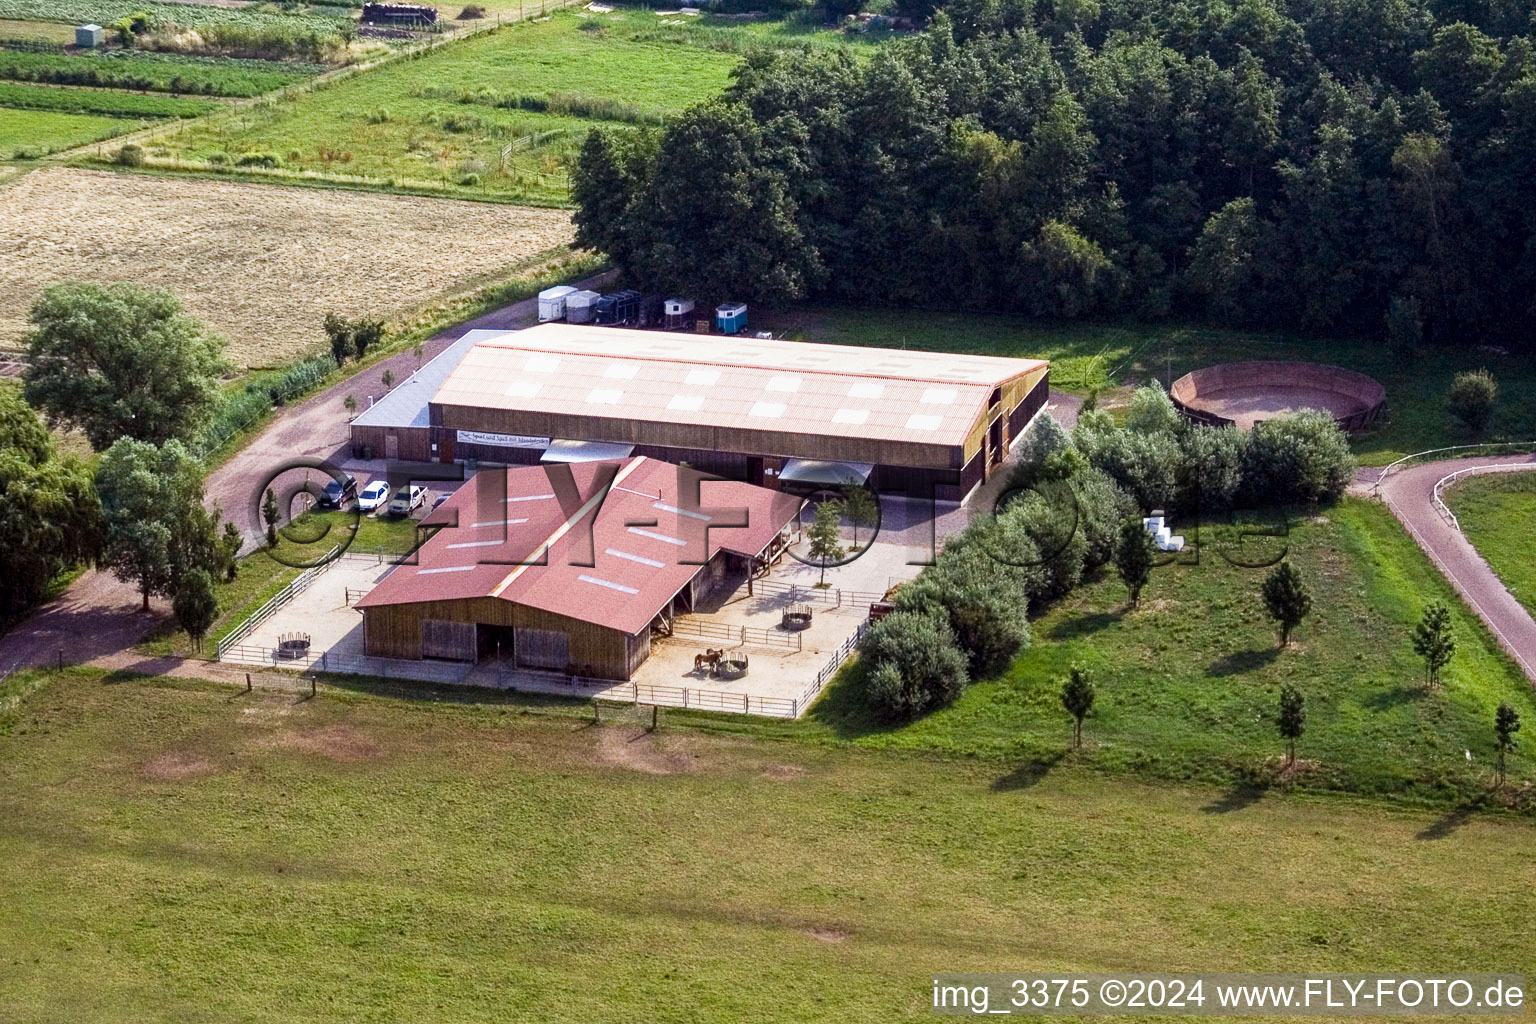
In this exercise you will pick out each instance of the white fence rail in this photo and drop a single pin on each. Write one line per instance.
(298, 586)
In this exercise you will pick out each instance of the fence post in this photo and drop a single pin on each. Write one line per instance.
(746, 704)
(685, 696)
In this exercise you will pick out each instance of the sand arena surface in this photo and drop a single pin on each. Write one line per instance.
(260, 264)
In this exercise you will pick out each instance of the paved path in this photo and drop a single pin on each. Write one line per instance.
(1409, 493)
(99, 616)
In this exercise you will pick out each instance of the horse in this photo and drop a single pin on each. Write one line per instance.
(710, 659)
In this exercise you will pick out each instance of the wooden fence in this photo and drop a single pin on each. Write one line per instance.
(748, 636)
(814, 687)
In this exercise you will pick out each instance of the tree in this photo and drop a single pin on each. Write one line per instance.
(1077, 697)
(824, 535)
(1134, 554)
(350, 404)
(1152, 411)
(230, 543)
(1506, 722)
(1286, 598)
(861, 508)
(50, 518)
(1433, 640)
(338, 331)
(388, 379)
(156, 527)
(1292, 721)
(1472, 398)
(195, 605)
(418, 350)
(270, 514)
(121, 360)
(366, 333)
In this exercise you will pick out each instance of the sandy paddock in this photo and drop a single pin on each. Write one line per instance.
(261, 264)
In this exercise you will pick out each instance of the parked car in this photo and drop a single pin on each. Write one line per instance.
(373, 496)
(407, 499)
(338, 492)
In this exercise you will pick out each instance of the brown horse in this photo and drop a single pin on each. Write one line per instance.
(710, 659)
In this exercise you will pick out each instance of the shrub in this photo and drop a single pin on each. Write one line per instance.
(1472, 399)
(470, 180)
(913, 665)
(1101, 507)
(1054, 529)
(1296, 457)
(217, 159)
(985, 602)
(379, 115)
(1044, 438)
(258, 159)
(130, 155)
(471, 12)
(1146, 466)
(1152, 411)
(1213, 467)
(462, 123)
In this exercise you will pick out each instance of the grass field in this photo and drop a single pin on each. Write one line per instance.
(36, 132)
(161, 72)
(1498, 515)
(201, 855)
(1188, 683)
(261, 264)
(404, 121)
(93, 101)
(42, 31)
(1087, 355)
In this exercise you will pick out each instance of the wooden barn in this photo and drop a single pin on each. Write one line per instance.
(567, 568)
(772, 413)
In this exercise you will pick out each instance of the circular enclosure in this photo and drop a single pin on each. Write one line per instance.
(1249, 393)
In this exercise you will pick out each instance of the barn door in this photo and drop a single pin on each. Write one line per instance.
(392, 447)
(543, 648)
(452, 640)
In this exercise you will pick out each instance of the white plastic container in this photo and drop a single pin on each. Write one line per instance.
(552, 302)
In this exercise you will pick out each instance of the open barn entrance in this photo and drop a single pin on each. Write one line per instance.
(494, 643)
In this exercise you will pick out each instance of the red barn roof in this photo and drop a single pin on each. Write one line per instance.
(605, 542)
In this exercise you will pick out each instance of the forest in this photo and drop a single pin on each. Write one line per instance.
(1331, 166)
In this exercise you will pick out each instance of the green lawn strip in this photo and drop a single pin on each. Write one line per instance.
(1188, 684)
(1096, 354)
(1497, 513)
(137, 69)
(31, 133)
(91, 101)
(202, 855)
(402, 122)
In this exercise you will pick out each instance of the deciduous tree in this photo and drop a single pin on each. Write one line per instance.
(121, 360)
(1434, 641)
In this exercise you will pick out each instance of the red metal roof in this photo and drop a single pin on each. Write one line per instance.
(605, 542)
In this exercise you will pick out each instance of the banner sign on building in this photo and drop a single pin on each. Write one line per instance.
(501, 440)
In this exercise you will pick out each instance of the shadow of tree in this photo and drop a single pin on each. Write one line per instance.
(1240, 796)
(1386, 700)
(1083, 625)
(1448, 825)
(1028, 774)
(1239, 662)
